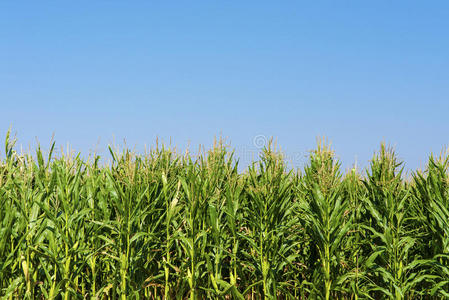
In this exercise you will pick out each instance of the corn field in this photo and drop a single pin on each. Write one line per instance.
(178, 226)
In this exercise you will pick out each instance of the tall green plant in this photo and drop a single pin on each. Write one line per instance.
(326, 219)
(431, 191)
(270, 221)
(394, 269)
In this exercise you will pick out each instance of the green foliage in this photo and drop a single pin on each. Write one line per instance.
(170, 226)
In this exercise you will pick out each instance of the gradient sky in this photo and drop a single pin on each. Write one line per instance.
(357, 72)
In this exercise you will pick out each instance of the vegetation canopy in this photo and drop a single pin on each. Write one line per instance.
(175, 226)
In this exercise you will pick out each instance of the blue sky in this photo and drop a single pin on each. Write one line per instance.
(357, 72)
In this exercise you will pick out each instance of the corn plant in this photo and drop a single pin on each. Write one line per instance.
(270, 220)
(326, 219)
(432, 194)
(394, 269)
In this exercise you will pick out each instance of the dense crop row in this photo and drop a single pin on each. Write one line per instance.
(170, 226)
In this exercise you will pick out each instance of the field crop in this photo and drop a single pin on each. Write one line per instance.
(176, 226)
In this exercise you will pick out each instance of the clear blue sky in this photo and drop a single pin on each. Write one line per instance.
(357, 72)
